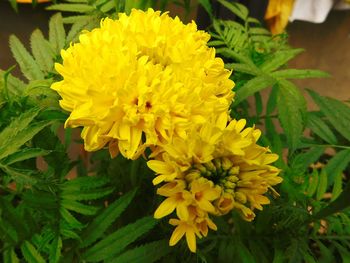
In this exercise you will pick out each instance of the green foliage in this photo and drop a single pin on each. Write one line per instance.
(55, 207)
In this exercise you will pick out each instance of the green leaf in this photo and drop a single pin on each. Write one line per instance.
(120, 239)
(326, 253)
(291, 109)
(236, 56)
(244, 254)
(279, 256)
(238, 9)
(337, 164)
(338, 186)
(108, 6)
(79, 207)
(30, 253)
(40, 94)
(57, 35)
(322, 185)
(55, 250)
(87, 194)
(70, 219)
(337, 205)
(42, 51)
(100, 224)
(299, 74)
(28, 65)
(24, 154)
(18, 124)
(12, 144)
(259, 31)
(23, 176)
(75, 19)
(14, 85)
(272, 101)
(86, 183)
(320, 128)
(279, 58)
(14, 5)
(78, 8)
(302, 161)
(343, 251)
(69, 234)
(338, 113)
(10, 256)
(40, 200)
(252, 86)
(147, 253)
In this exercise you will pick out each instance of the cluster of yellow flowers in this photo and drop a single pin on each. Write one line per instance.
(148, 80)
(217, 168)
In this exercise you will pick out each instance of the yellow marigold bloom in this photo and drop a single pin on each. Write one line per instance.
(218, 167)
(141, 80)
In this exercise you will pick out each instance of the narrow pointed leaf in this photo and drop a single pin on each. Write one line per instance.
(279, 59)
(337, 205)
(149, 253)
(238, 9)
(28, 65)
(86, 194)
(79, 207)
(55, 250)
(320, 128)
(120, 239)
(57, 35)
(252, 86)
(78, 8)
(291, 109)
(10, 256)
(25, 154)
(337, 112)
(322, 185)
(299, 74)
(42, 51)
(100, 224)
(30, 253)
(337, 164)
(12, 144)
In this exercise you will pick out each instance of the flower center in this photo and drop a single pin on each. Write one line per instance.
(221, 171)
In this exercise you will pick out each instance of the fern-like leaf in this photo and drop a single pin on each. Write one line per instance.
(100, 224)
(120, 239)
(28, 65)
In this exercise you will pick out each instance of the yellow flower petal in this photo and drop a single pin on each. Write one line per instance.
(165, 208)
(178, 233)
(191, 239)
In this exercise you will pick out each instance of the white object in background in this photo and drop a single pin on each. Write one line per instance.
(315, 11)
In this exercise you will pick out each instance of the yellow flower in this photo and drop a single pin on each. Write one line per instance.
(141, 80)
(222, 167)
(178, 198)
(204, 192)
(184, 228)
